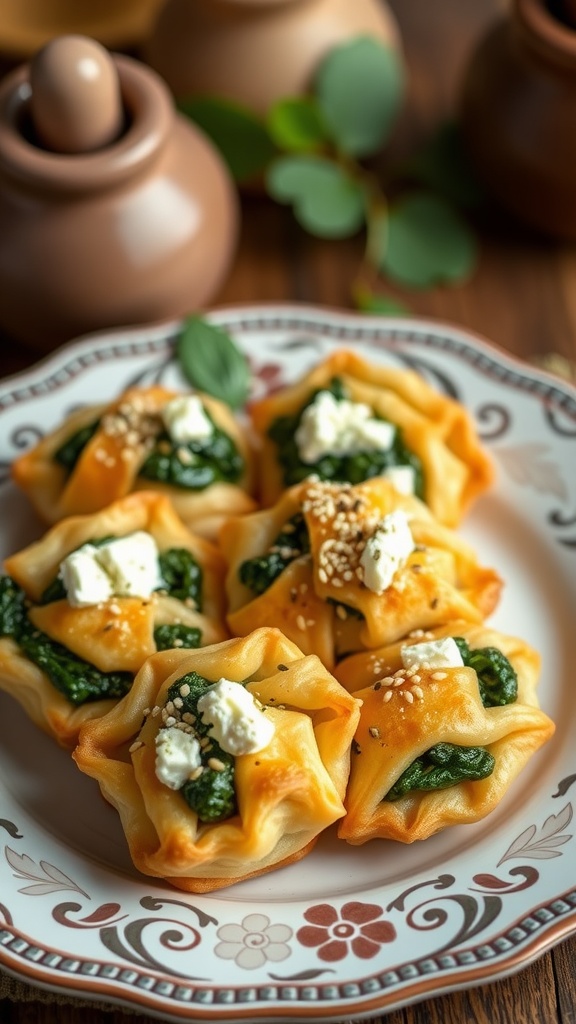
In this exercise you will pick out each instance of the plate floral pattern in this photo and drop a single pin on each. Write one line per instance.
(348, 931)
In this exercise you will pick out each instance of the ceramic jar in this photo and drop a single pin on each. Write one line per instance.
(255, 52)
(518, 116)
(139, 230)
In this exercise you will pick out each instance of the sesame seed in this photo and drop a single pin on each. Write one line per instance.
(439, 675)
(184, 689)
(387, 696)
(374, 732)
(409, 696)
(301, 622)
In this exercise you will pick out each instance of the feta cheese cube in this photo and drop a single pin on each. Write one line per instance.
(185, 419)
(386, 551)
(238, 724)
(85, 581)
(132, 564)
(124, 567)
(331, 427)
(442, 653)
(177, 755)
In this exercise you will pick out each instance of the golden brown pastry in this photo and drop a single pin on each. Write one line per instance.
(439, 743)
(405, 423)
(313, 566)
(189, 447)
(82, 608)
(219, 814)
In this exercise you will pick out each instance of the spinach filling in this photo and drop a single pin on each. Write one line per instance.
(259, 573)
(192, 466)
(444, 765)
(497, 679)
(75, 678)
(353, 468)
(447, 764)
(212, 795)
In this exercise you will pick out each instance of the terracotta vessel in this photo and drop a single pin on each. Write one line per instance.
(256, 51)
(114, 210)
(518, 115)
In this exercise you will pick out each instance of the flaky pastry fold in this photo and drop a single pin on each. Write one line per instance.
(108, 464)
(404, 716)
(334, 613)
(114, 636)
(286, 793)
(435, 428)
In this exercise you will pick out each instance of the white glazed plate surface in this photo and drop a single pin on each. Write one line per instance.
(347, 932)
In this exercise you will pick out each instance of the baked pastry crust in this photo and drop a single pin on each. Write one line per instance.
(286, 793)
(435, 706)
(108, 466)
(116, 635)
(441, 579)
(436, 428)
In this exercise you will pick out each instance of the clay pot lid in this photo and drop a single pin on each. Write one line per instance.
(150, 119)
(546, 32)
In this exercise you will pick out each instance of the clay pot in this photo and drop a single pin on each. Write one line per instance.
(256, 52)
(137, 229)
(518, 116)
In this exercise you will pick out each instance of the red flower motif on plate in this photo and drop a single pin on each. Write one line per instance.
(358, 928)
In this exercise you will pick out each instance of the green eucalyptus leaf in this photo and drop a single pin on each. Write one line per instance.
(296, 125)
(326, 201)
(360, 86)
(212, 362)
(242, 139)
(427, 243)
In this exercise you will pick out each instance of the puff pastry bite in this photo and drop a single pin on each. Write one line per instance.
(349, 420)
(446, 726)
(82, 608)
(189, 447)
(229, 807)
(341, 568)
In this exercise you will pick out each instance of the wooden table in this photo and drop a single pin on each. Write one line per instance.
(522, 297)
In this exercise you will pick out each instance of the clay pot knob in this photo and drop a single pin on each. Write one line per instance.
(75, 104)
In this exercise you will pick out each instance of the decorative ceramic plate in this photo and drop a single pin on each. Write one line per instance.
(348, 931)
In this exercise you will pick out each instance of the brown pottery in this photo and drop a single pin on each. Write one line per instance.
(255, 52)
(114, 209)
(518, 115)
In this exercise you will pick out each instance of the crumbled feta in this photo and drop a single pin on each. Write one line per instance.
(238, 724)
(185, 419)
(386, 551)
(332, 427)
(123, 567)
(442, 653)
(402, 478)
(132, 564)
(84, 579)
(177, 755)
